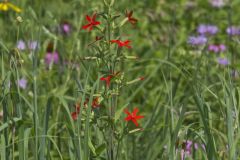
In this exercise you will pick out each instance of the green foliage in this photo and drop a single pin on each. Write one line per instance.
(186, 96)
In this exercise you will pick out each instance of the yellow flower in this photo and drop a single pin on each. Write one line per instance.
(5, 6)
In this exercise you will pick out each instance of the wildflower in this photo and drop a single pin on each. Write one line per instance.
(92, 22)
(197, 41)
(5, 6)
(122, 43)
(233, 30)
(132, 20)
(217, 48)
(187, 148)
(95, 102)
(223, 61)
(133, 116)
(207, 29)
(222, 47)
(31, 45)
(74, 115)
(21, 45)
(65, 28)
(22, 83)
(107, 79)
(51, 57)
(217, 3)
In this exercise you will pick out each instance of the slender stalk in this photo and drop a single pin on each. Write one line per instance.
(113, 98)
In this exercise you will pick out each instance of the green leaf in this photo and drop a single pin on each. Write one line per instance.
(100, 149)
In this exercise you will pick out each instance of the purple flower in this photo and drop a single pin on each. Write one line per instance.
(32, 45)
(217, 3)
(223, 61)
(21, 45)
(188, 147)
(222, 47)
(207, 29)
(65, 28)
(233, 30)
(213, 48)
(22, 83)
(51, 58)
(217, 48)
(197, 41)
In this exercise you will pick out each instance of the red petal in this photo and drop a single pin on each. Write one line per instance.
(139, 117)
(134, 113)
(89, 19)
(94, 16)
(128, 118)
(74, 115)
(130, 14)
(97, 23)
(103, 79)
(127, 41)
(114, 41)
(135, 122)
(108, 82)
(133, 20)
(127, 112)
(86, 26)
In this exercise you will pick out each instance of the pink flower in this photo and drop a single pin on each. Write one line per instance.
(51, 57)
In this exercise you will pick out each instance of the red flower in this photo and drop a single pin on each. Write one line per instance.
(122, 43)
(92, 22)
(95, 102)
(133, 116)
(132, 20)
(107, 79)
(74, 115)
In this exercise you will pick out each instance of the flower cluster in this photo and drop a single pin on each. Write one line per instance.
(205, 32)
(233, 31)
(188, 147)
(217, 3)
(197, 40)
(204, 29)
(95, 104)
(217, 48)
(30, 45)
(110, 77)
